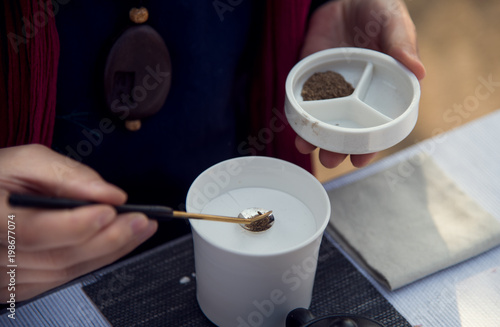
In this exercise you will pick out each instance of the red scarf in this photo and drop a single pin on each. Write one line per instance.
(29, 71)
(284, 34)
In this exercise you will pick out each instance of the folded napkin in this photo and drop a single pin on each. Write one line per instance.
(409, 221)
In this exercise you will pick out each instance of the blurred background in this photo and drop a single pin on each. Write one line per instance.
(459, 42)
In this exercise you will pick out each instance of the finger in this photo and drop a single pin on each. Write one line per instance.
(107, 240)
(26, 291)
(37, 169)
(331, 159)
(327, 158)
(303, 146)
(118, 239)
(408, 58)
(361, 160)
(399, 39)
(49, 229)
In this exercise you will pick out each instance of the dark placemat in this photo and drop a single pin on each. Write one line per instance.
(158, 289)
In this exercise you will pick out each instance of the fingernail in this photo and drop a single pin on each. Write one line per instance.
(411, 53)
(106, 217)
(104, 186)
(139, 224)
(148, 232)
(99, 184)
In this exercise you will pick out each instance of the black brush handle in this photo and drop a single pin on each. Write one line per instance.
(45, 202)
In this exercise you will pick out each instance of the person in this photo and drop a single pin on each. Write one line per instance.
(205, 119)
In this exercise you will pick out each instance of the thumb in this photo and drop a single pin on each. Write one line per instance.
(408, 56)
(400, 40)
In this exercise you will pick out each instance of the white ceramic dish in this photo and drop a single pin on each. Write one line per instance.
(380, 113)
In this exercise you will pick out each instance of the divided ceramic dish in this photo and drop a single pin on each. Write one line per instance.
(380, 113)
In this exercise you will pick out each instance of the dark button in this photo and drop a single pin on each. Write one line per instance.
(138, 74)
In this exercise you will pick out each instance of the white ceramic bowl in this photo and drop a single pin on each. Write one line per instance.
(255, 279)
(380, 113)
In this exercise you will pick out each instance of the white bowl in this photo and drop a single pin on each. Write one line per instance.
(380, 113)
(256, 279)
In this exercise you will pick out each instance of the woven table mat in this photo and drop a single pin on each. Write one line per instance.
(159, 289)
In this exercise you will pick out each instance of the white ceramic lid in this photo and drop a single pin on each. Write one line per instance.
(380, 113)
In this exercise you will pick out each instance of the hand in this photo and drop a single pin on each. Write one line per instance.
(53, 247)
(382, 25)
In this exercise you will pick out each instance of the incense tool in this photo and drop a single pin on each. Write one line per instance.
(156, 212)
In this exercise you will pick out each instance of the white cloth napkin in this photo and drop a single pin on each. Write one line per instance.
(403, 224)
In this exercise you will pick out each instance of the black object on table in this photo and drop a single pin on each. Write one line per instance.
(159, 289)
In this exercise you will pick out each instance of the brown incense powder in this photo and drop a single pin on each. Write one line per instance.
(326, 85)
